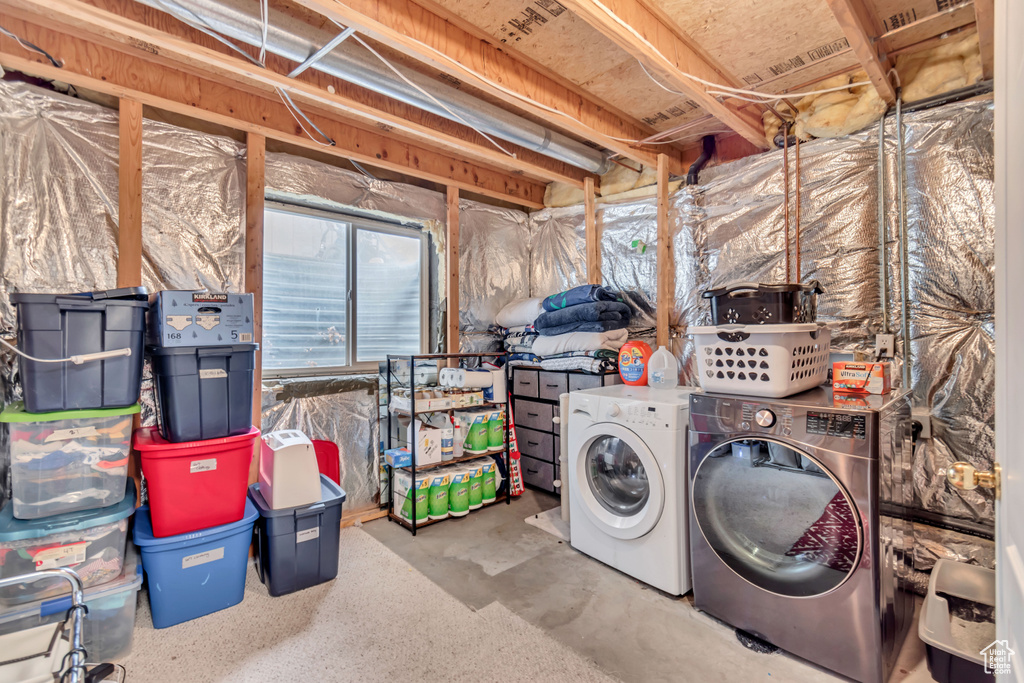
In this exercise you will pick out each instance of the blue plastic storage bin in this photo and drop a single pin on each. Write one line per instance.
(298, 547)
(64, 325)
(192, 575)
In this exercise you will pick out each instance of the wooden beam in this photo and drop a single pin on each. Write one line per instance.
(105, 70)
(928, 27)
(985, 17)
(638, 31)
(452, 250)
(417, 32)
(164, 40)
(862, 30)
(592, 238)
(255, 192)
(129, 194)
(666, 259)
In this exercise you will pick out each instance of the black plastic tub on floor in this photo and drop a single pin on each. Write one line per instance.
(203, 392)
(297, 547)
(52, 326)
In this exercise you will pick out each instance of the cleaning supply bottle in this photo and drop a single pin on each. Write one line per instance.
(662, 370)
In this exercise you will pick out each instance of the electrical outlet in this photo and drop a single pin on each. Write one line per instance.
(885, 345)
(923, 416)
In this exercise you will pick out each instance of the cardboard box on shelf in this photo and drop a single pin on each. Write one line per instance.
(188, 318)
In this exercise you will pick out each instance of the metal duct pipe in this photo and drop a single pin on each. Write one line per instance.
(295, 40)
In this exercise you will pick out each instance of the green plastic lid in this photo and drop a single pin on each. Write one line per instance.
(16, 413)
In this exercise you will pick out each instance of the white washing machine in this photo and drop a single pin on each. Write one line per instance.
(627, 479)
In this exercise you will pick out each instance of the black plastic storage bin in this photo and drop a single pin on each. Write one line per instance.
(750, 303)
(203, 392)
(65, 325)
(298, 547)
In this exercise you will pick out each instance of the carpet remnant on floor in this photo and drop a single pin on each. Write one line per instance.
(380, 620)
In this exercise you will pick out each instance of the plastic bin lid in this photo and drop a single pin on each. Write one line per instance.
(12, 529)
(16, 413)
(135, 294)
(144, 537)
(330, 494)
(149, 439)
(222, 350)
(129, 580)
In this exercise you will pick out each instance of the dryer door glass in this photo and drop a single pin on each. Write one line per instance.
(776, 517)
(616, 476)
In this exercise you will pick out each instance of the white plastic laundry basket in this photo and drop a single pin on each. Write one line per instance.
(762, 360)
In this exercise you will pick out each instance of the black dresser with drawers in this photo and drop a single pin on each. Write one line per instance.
(535, 395)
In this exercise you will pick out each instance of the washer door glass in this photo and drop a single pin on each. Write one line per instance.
(617, 477)
(776, 517)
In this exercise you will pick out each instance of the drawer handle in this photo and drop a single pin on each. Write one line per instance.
(532, 443)
(529, 471)
(533, 414)
(551, 386)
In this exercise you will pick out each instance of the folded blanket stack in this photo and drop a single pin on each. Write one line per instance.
(587, 308)
(578, 329)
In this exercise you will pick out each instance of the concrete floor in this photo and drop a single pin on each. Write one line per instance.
(629, 630)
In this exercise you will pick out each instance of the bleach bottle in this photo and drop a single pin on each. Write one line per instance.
(662, 370)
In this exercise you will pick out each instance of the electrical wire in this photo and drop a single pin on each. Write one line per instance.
(299, 116)
(427, 94)
(265, 23)
(32, 47)
(362, 170)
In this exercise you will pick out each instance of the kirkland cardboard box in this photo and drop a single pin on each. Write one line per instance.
(183, 318)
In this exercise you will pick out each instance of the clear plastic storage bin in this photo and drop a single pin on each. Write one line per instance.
(67, 461)
(110, 622)
(91, 542)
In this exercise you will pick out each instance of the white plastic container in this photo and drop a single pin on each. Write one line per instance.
(289, 474)
(773, 361)
(662, 370)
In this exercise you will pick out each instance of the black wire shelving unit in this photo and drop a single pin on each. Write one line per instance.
(441, 360)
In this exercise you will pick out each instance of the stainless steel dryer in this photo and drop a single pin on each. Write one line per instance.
(786, 539)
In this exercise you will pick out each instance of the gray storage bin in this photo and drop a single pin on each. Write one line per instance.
(553, 385)
(955, 647)
(61, 326)
(536, 444)
(533, 415)
(525, 383)
(204, 392)
(298, 547)
(538, 473)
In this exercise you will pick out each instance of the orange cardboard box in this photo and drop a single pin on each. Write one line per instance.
(861, 378)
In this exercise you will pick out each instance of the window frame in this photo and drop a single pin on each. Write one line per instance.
(356, 223)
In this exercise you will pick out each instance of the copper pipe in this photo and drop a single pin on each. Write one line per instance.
(799, 275)
(785, 181)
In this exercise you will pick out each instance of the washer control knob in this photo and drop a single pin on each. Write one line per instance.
(614, 410)
(764, 417)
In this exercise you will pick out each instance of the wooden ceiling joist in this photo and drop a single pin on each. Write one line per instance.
(639, 31)
(87, 64)
(421, 34)
(863, 30)
(985, 17)
(928, 27)
(123, 28)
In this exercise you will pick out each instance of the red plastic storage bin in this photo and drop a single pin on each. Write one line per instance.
(197, 484)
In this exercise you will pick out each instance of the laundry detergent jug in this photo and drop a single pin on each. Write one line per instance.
(633, 358)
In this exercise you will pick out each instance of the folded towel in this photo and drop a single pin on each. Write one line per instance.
(580, 295)
(596, 366)
(519, 312)
(518, 329)
(526, 357)
(600, 326)
(580, 341)
(595, 311)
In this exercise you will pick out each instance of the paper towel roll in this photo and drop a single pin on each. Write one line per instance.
(497, 393)
(447, 377)
(473, 379)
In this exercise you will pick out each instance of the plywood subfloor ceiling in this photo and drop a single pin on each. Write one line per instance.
(766, 46)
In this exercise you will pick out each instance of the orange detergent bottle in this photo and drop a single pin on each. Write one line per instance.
(633, 359)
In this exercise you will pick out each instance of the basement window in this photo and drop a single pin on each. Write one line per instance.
(339, 293)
